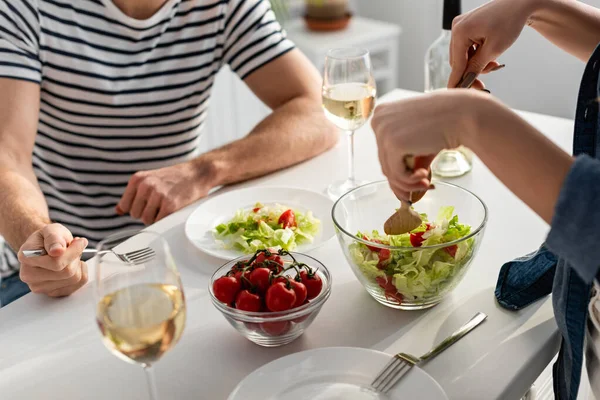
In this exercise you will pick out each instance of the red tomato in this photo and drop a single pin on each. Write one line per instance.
(451, 250)
(287, 219)
(384, 256)
(391, 293)
(275, 328)
(301, 293)
(259, 278)
(226, 289)
(273, 262)
(372, 248)
(313, 284)
(279, 297)
(257, 209)
(252, 326)
(416, 239)
(247, 301)
(243, 282)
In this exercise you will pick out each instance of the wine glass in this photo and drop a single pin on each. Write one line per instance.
(140, 308)
(349, 93)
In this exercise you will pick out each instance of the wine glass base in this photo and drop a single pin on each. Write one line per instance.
(450, 164)
(340, 188)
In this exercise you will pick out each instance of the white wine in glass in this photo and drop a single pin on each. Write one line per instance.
(349, 95)
(141, 309)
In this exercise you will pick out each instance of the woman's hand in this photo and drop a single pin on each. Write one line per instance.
(491, 29)
(422, 126)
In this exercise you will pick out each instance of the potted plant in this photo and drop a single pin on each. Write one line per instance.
(327, 15)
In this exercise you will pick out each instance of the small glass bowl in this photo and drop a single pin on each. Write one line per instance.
(274, 329)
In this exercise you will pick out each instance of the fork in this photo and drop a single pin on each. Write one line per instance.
(401, 363)
(133, 257)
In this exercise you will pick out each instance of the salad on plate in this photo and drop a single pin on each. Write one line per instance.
(416, 272)
(270, 226)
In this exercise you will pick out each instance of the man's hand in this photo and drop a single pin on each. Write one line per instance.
(152, 195)
(61, 272)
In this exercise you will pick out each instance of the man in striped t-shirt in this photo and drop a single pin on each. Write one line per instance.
(101, 110)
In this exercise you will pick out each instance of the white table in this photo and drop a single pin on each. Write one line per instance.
(50, 349)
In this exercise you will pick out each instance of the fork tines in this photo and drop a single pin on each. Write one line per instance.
(395, 369)
(139, 256)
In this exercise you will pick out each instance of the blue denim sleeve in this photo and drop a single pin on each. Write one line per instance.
(575, 231)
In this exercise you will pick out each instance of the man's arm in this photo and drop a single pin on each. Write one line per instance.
(23, 209)
(569, 24)
(296, 131)
(24, 219)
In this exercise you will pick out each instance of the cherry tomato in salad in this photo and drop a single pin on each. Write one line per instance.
(390, 291)
(384, 257)
(416, 239)
(372, 248)
(226, 289)
(256, 209)
(277, 328)
(247, 301)
(287, 219)
(260, 279)
(279, 297)
(301, 292)
(313, 284)
(451, 250)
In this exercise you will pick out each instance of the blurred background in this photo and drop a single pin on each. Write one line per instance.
(538, 77)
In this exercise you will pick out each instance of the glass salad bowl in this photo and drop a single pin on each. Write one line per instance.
(415, 270)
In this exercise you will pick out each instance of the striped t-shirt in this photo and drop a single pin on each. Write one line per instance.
(120, 95)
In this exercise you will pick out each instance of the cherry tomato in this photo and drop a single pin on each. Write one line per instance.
(313, 284)
(279, 297)
(416, 239)
(391, 293)
(243, 282)
(226, 289)
(372, 248)
(252, 326)
(256, 209)
(259, 278)
(384, 256)
(451, 250)
(301, 293)
(275, 328)
(287, 219)
(247, 301)
(273, 262)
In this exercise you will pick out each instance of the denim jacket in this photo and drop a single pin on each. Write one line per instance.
(569, 261)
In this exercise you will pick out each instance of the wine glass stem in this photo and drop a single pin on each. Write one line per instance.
(152, 391)
(351, 156)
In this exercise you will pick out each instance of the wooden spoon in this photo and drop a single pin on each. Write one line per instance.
(406, 219)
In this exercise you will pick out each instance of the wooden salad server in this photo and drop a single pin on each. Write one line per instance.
(405, 219)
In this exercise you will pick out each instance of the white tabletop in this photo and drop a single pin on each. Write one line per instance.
(51, 349)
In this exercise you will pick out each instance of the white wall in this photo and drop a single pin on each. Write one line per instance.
(538, 77)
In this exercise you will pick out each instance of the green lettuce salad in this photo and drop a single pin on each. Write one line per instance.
(417, 274)
(267, 226)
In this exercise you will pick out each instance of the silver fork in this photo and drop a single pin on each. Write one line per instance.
(401, 363)
(133, 257)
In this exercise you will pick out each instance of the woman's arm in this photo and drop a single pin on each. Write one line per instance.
(563, 191)
(495, 26)
(571, 25)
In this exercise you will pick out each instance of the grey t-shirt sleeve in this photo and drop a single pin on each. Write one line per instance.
(575, 230)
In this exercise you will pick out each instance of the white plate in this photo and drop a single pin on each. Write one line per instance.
(335, 373)
(199, 226)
